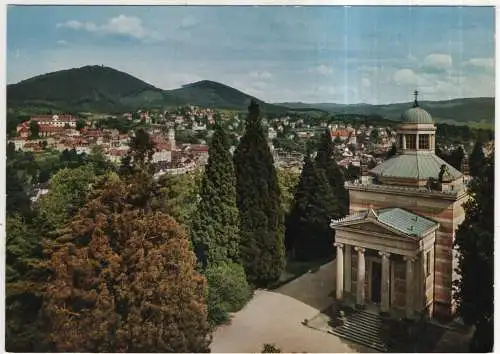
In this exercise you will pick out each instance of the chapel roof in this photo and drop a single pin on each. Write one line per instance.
(399, 219)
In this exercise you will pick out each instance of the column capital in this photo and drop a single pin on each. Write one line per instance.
(410, 258)
(359, 249)
(384, 254)
(338, 245)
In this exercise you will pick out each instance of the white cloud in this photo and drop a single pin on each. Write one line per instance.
(129, 26)
(483, 63)
(438, 61)
(322, 70)
(262, 75)
(62, 42)
(405, 77)
(366, 83)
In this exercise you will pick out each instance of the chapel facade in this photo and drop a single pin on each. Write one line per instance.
(395, 248)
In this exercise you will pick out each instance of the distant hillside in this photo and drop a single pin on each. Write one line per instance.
(100, 89)
(89, 88)
(460, 110)
(103, 89)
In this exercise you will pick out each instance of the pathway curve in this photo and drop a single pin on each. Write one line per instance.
(275, 317)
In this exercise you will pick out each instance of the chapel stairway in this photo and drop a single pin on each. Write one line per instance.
(364, 328)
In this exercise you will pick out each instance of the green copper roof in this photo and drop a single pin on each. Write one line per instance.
(416, 115)
(405, 221)
(414, 166)
(397, 219)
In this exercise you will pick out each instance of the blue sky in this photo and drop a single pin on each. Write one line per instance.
(312, 54)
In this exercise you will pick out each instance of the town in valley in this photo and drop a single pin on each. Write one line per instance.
(259, 201)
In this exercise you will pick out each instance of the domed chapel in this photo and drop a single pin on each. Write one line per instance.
(395, 248)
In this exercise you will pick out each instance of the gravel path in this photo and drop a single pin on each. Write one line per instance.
(275, 318)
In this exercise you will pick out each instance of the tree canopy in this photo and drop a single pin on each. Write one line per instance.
(259, 202)
(475, 243)
(215, 228)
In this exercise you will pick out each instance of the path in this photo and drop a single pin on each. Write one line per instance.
(275, 318)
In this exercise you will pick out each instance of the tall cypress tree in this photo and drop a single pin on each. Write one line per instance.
(325, 160)
(474, 242)
(476, 159)
(262, 248)
(308, 233)
(215, 228)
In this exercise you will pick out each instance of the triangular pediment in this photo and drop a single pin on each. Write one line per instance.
(369, 226)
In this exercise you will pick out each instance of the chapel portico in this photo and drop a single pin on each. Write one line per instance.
(382, 257)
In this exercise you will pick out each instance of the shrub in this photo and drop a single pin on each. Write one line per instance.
(270, 348)
(228, 291)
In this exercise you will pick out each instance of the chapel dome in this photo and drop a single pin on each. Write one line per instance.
(416, 115)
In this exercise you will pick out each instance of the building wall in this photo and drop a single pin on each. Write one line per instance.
(449, 214)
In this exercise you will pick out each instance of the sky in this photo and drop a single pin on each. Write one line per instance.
(335, 54)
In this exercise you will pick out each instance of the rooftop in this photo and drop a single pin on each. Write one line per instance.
(398, 219)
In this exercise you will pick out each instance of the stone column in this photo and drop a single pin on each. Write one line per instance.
(360, 291)
(347, 268)
(385, 288)
(404, 142)
(340, 271)
(416, 142)
(410, 287)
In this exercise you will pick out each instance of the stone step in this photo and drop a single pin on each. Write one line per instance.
(356, 337)
(364, 328)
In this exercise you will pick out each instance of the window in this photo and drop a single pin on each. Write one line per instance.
(411, 142)
(423, 141)
(428, 263)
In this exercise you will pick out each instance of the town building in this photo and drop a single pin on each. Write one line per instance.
(395, 248)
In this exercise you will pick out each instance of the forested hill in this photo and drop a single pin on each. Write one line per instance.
(460, 110)
(104, 89)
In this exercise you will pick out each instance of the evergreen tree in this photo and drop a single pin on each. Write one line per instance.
(476, 159)
(215, 229)
(474, 242)
(392, 152)
(34, 129)
(325, 160)
(308, 233)
(258, 197)
(22, 297)
(124, 280)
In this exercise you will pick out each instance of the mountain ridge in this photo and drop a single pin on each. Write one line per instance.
(97, 88)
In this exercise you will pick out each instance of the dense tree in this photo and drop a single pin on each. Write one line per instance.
(124, 279)
(288, 180)
(392, 152)
(22, 300)
(179, 196)
(476, 161)
(228, 291)
(474, 243)
(259, 202)
(80, 124)
(325, 160)
(215, 228)
(308, 233)
(34, 129)
(67, 191)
